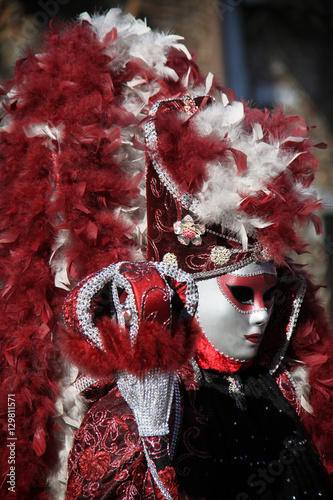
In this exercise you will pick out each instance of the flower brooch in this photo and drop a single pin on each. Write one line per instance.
(188, 232)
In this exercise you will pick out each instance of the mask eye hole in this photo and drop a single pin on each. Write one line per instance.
(269, 295)
(242, 294)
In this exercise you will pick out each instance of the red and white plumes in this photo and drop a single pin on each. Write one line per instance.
(72, 162)
(246, 170)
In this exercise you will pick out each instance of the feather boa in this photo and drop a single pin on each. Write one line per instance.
(152, 348)
(72, 165)
(311, 348)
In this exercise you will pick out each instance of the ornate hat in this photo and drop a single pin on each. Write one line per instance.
(227, 184)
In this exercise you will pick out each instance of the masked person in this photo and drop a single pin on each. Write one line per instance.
(226, 185)
(203, 356)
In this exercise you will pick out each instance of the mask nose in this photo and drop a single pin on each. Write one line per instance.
(259, 317)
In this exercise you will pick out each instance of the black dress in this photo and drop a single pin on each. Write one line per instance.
(246, 443)
(239, 439)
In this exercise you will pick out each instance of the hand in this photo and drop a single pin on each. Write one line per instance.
(149, 396)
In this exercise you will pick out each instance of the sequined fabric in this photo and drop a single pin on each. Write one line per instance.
(256, 450)
(149, 397)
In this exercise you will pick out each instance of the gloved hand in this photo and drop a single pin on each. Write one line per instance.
(149, 395)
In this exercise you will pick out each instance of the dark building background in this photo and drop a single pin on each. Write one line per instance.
(274, 52)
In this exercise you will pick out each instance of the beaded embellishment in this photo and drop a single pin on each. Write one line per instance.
(236, 390)
(170, 258)
(78, 308)
(220, 255)
(188, 232)
(296, 307)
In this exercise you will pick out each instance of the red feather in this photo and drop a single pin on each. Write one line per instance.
(75, 185)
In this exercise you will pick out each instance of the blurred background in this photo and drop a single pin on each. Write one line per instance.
(273, 52)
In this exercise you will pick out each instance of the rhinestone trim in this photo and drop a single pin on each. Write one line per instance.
(178, 418)
(189, 105)
(150, 397)
(152, 467)
(250, 248)
(186, 200)
(192, 294)
(93, 285)
(196, 370)
(258, 273)
(229, 238)
(111, 273)
(223, 270)
(296, 307)
(82, 383)
(294, 386)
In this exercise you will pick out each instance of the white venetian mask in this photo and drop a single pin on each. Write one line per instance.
(234, 309)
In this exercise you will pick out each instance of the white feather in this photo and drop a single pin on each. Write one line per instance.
(300, 378)
(50, 132)
(224, 99)
(225, 190)
(58, 261)
(71, 408)
(209, 82)
(135, 40)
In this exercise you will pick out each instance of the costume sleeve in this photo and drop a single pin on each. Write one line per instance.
(107, 459)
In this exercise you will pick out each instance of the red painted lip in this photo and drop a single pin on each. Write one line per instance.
(255, 339)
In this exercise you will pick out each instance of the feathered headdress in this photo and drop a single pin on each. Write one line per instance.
(227, 184)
